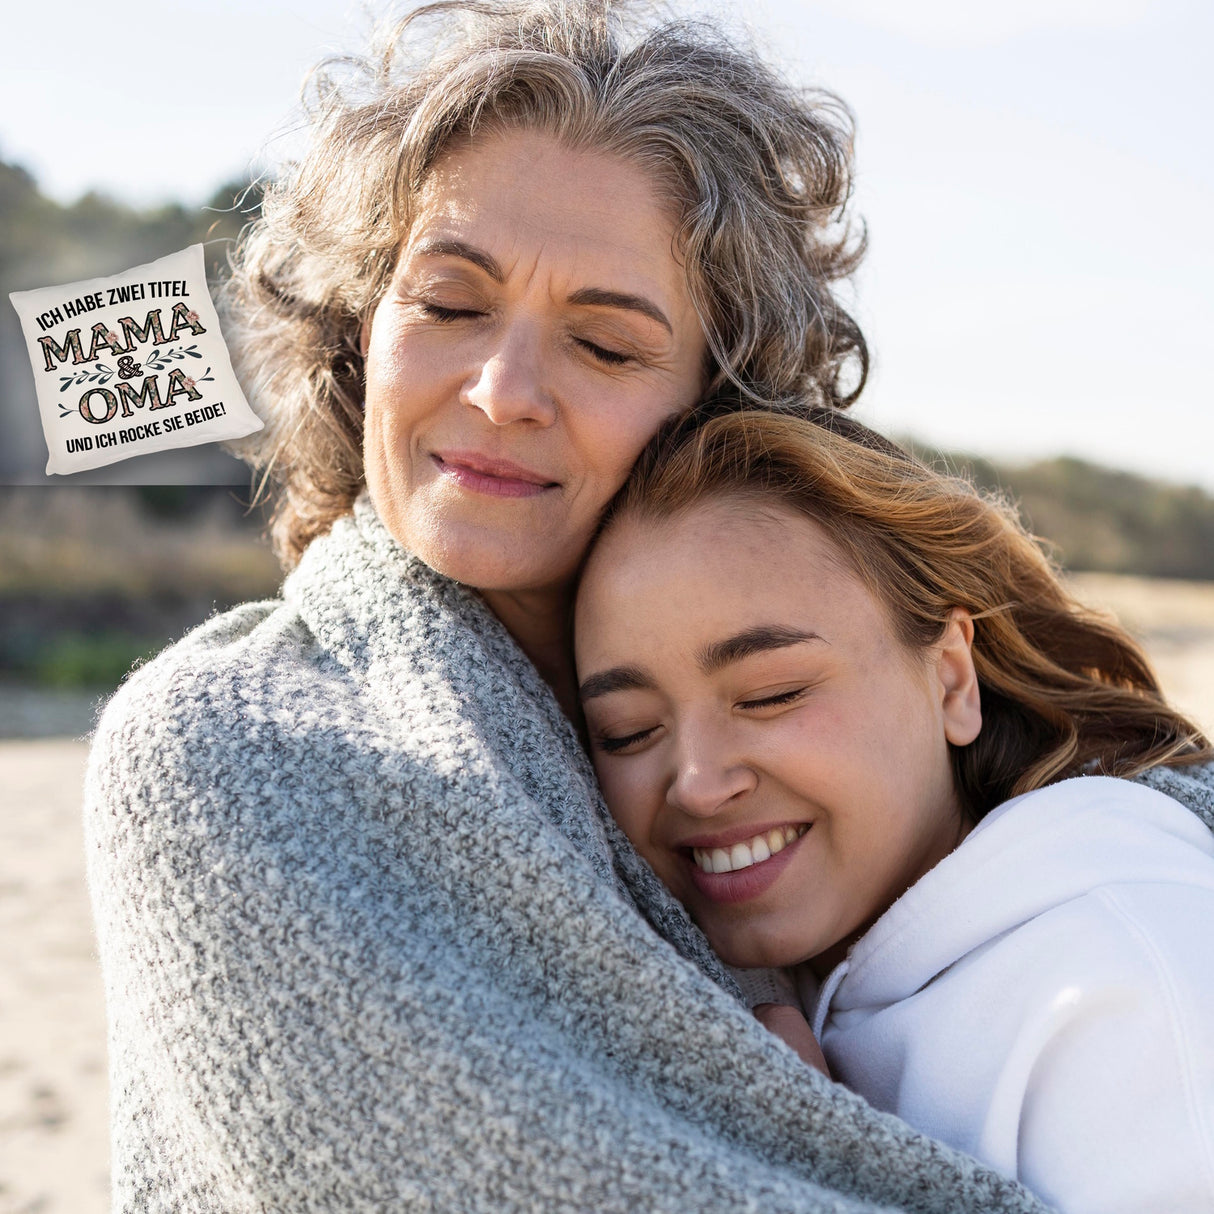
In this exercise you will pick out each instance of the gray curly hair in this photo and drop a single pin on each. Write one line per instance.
(758, 173)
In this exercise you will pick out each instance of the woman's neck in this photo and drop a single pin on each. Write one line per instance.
(541, 621)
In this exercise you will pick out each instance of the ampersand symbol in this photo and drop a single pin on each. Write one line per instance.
(128, 368)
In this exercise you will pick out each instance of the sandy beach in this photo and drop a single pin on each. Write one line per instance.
(53, 1132)
(53, 1152)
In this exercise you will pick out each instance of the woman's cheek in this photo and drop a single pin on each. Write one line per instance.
(623, 792)
(604, 769)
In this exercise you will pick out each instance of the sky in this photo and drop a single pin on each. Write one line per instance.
(1036, 180)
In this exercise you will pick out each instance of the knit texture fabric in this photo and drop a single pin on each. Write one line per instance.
(370, 942)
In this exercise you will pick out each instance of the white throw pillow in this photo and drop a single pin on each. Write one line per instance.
(131, 363)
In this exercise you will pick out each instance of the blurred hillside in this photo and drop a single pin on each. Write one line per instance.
(42, 243)
(1100, 519)
(93, 579)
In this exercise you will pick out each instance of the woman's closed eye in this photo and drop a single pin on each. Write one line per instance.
(614, 744)
(618, 743)
(779, 699)
(444, 314)
(610, 358)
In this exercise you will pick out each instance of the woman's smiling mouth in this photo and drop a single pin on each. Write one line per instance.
(498, 478)
(749, 853)
(747, 868)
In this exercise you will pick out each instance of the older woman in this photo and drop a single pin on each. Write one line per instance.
(369, 941)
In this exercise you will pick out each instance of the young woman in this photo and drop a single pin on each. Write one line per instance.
(847, 711)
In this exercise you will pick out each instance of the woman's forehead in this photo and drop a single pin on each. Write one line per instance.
(507, 163)
(723, 541)
(515, 199)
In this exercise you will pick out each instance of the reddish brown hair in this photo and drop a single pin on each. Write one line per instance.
(1064, 689)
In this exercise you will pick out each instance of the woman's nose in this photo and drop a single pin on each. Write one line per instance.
(707, 778)
(510, 384)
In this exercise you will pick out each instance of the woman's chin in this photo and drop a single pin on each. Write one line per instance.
(492, 566)
(503, 546)
(756, 952)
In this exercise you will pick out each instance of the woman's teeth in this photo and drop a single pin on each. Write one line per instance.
(743, 855)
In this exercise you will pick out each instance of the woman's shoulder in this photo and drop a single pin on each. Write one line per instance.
(1093, 885)
(206, 692)
(207, 660)
(1099, 813)
(1061, 853)
(1191, 785)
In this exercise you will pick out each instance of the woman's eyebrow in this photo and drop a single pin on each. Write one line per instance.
(599, 297)
(754, 640)
(618, 678)
(464, 251)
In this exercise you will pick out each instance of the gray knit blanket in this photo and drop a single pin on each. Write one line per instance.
(371, 943)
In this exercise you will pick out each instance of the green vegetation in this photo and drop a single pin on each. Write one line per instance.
(78, 660)
(96, 578)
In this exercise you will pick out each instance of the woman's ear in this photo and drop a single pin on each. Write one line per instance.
(960, 701)
(364, 335)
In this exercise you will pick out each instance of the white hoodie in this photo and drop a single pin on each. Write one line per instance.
(1044, 1000)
